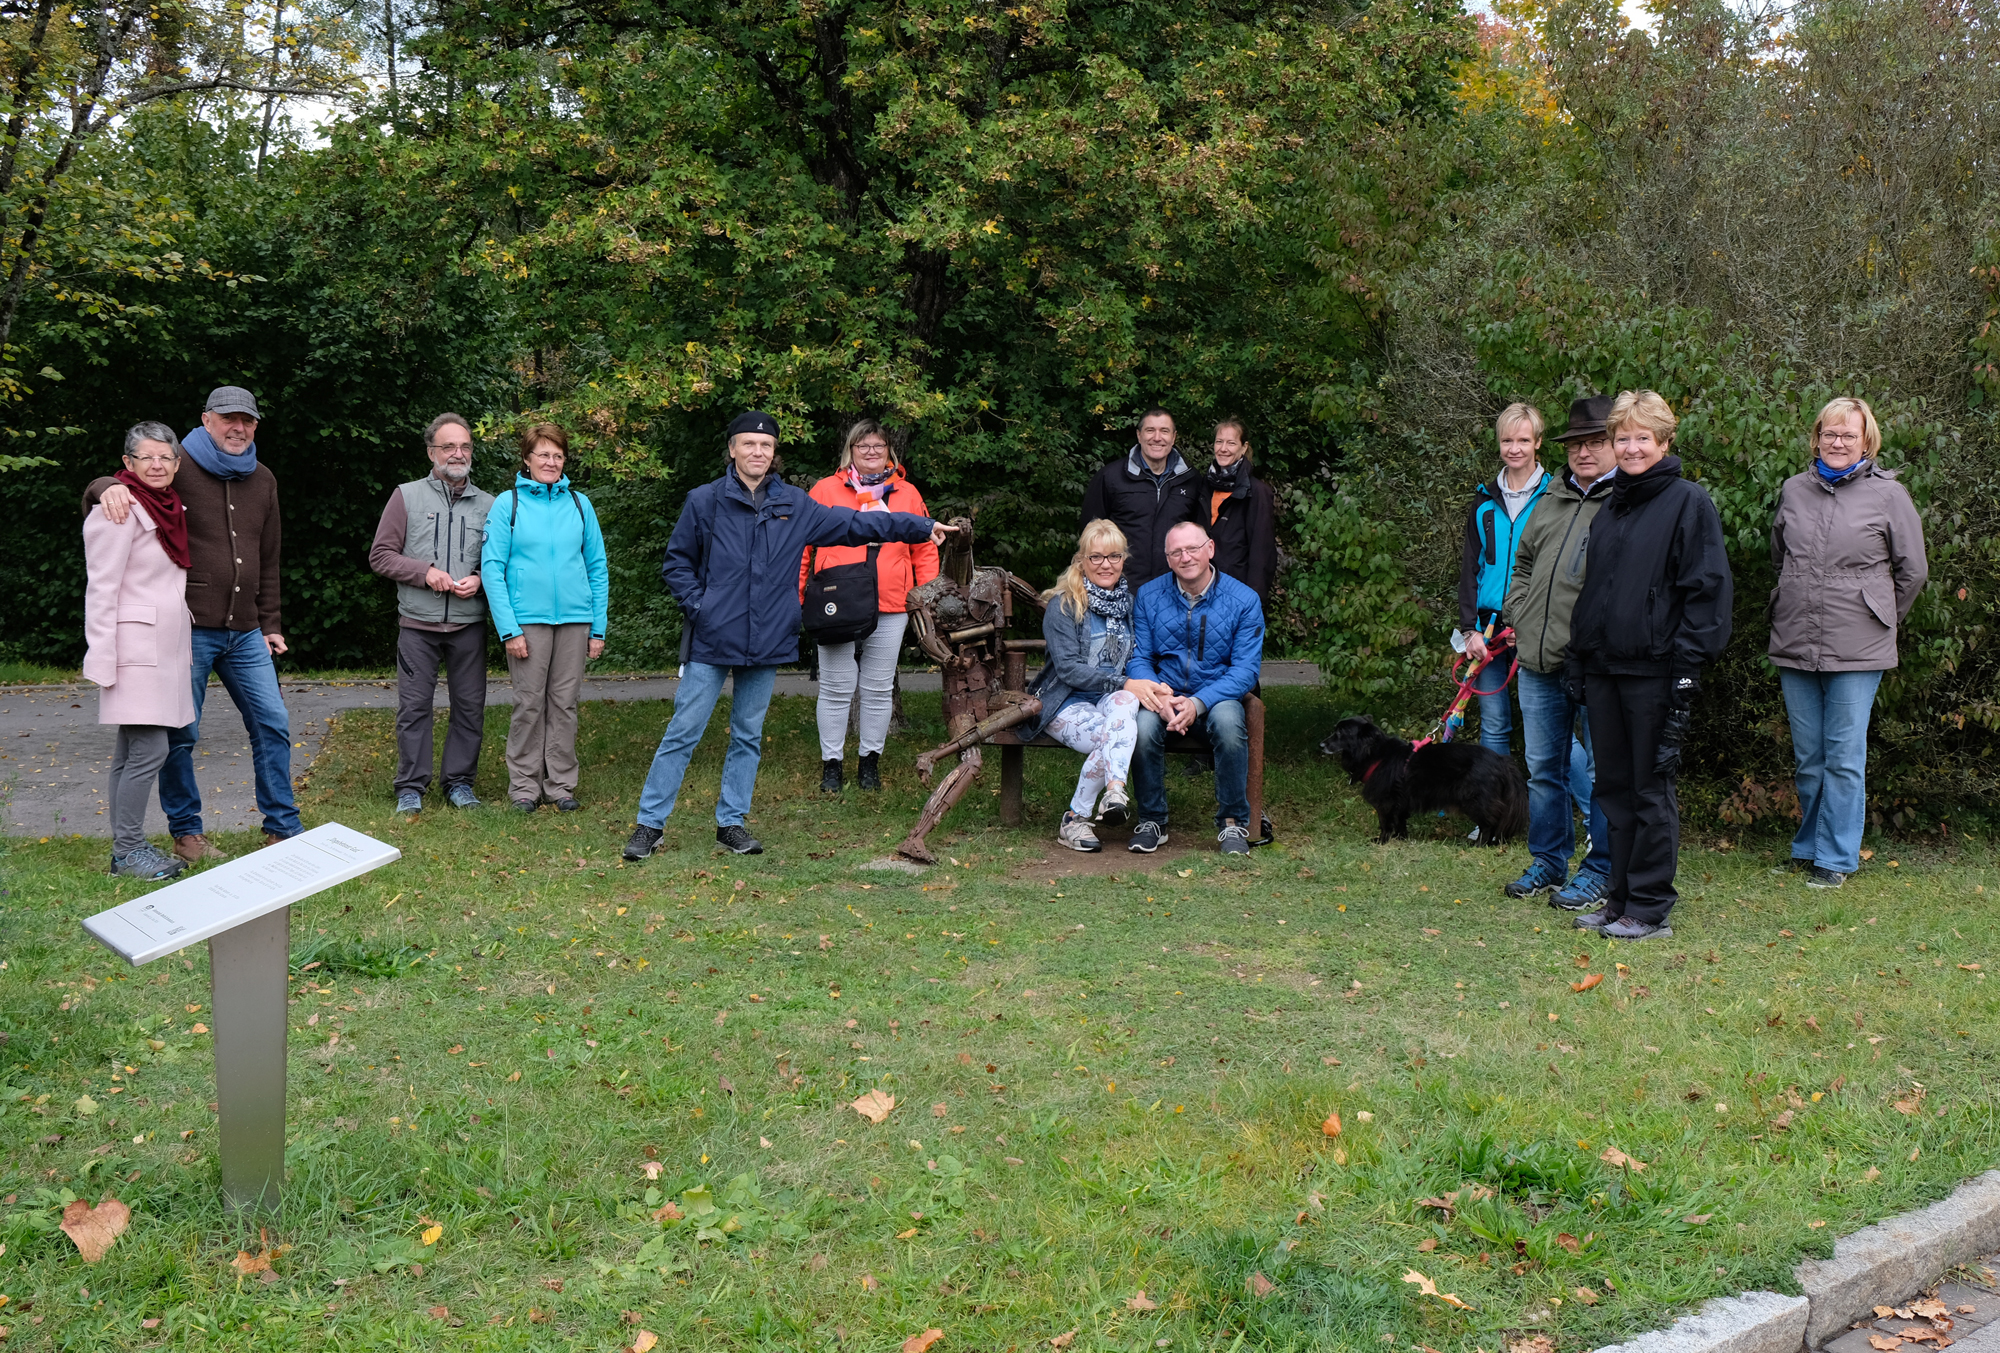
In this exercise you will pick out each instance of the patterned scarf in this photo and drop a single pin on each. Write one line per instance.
(871, 489)
(1114, 605)
(1222, 478)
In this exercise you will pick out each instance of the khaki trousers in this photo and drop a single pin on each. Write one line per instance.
(541, 741)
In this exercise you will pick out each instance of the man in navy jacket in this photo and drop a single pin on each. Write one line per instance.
(733, 564)
(1200, 634)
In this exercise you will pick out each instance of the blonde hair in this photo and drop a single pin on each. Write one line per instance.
(1099, 531)
(1645, 408)
(867, 427)
(1519, 413)
(1871, 432)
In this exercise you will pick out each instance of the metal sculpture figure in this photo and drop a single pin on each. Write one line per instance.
(960, 619)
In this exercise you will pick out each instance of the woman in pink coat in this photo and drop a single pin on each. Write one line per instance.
(136, 623)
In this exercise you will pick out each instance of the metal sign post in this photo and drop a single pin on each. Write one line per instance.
(243, 909)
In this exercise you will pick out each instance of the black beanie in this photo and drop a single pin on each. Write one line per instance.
(753, 421)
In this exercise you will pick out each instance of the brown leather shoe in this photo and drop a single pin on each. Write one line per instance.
(196, 847)
(272, 838)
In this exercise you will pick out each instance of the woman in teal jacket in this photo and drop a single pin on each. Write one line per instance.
(549, 589)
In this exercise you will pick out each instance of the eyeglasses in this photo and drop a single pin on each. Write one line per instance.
(1100, 560)
(152, 460)
(1189, 551)
(1840, 438)
(871, 446)
(450, 447)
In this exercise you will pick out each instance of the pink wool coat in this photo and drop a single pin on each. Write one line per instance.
(136, 623)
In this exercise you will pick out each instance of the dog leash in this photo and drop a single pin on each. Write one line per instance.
(1454, 715)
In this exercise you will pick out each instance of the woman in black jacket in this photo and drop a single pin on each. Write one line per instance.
(1653, 612)
(1240, 512)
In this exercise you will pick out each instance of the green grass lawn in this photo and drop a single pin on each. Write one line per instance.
(1109, 1077)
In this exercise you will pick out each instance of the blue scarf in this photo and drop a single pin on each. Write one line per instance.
(215, 460)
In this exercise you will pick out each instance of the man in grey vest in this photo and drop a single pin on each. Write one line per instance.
(428, 542)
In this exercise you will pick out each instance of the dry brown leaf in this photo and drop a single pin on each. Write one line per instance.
(1613, 1156)
(874, 1106)
(1538, 1343)
(1911, 1105)
(1587, 983)
(869, 1282)
(1699, 1219)
(939, 1110)
(1586, 1296)
(918, 1343)
(95, 1228)
(905, 1235)
(1427, 1244)
(1885, 1311)
(643, 1341)
(1884, 1342)
(1568, 1242)
(246, 1263)
(651, 1168)
(1260, 1286)
(1429, 1289)
(1783, 1121)
(1929, 1307)
(666, 1212)
(1331, 1127)
(1063, 1340)
(1141, 1302)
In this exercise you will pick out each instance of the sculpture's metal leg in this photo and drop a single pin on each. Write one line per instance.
(941, 801)
(979, 732)
(248, 968)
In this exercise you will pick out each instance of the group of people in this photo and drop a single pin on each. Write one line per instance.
(1607, 588)
(1155, 629)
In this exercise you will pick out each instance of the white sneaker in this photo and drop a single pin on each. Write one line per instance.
(1076, 833)
(1115, 807)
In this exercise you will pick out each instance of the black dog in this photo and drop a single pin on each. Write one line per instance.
(1398, 781)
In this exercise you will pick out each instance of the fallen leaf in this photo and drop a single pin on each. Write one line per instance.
(918, 1343)
(1969, 967)
(643, 1341)
(454, 1050)
(764, 1142)
(1063, 1340)
(1587, 983)
(1260, 1286)
(1884, 1342)
(1783, 1121)
(1331, 1127)
(95, 1228)
(553, 1284)
(432, 1234)
(667, 1212)
(905, 1235)
(1141, 1302)
(1885, 1311)
(652, 1168)
(869, 1282)
(1613, 1156)
(1539, 1343)
(1424, 1246)
(874, 1106)
(1929, 1307)
(1568, 1242)
(1429, 1289)
(1586, 1296)
(1699, 1219)
(1910, 1105)
(246, 1263)
(198, 1029)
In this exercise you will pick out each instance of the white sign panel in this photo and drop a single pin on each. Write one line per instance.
(221, 898)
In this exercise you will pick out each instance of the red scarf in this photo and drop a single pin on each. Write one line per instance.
(169, 517)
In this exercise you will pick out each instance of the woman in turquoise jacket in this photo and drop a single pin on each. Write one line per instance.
(549, 590)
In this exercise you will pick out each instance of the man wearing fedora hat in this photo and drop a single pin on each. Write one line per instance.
(1547, 578)
(733, 565)
(232, 593)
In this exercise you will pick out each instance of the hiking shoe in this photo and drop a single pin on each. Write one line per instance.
(1794, 865)
(525, 805)
(1075, 833)
(1540, 878)
(1147, 837)
(1584, 892)
(567, 805)
(147, 862)
(461, 796)
(1592, 920)
(409, 802)
(194, 848)
(830, 781)
(1115, 808)
(1825, 878)
(641, 842)
(1233, 839)
(1625, 928)
(739, 840)
(868, 774)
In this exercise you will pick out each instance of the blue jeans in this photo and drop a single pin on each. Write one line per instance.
(1496, 708)
(1228, 738)
(1829, 713)
(700, 688)
(1560, 772)
(243, 661)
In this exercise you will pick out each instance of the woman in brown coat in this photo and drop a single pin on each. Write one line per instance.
(1849, 551)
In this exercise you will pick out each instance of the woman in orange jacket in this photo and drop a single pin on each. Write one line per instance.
(870, 479)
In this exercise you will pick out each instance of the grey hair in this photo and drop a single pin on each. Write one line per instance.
(445, 420)
(151, 432)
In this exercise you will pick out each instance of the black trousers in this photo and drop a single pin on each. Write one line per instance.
(462, 652)
(1640, 807)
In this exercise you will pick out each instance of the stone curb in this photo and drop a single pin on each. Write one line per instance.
(1886, 1261)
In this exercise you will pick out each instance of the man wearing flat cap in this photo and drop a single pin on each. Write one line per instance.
(1547, 579)
(232, 593)
(733, 565)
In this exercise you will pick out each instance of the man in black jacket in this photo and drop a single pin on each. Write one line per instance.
(1145, 493)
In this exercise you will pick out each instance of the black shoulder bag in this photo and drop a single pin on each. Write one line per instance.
(841, 605)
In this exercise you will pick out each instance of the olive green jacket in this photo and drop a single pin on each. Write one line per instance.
(1548, 571)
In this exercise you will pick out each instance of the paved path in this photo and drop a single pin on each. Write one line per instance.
(55, 756)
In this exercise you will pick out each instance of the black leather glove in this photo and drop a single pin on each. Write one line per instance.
(1674, 731)
(1572, 679)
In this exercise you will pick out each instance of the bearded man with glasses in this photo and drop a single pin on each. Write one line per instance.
(428, 544)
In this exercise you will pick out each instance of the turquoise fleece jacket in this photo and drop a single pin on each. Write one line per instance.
(544, 560)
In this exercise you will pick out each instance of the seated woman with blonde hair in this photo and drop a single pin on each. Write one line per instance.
(1087, 704)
